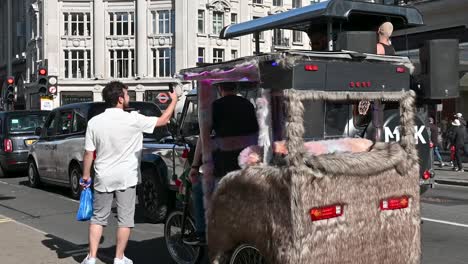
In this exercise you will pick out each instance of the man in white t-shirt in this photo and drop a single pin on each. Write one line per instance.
(117, 138)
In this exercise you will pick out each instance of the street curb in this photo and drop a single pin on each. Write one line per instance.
(451, 182)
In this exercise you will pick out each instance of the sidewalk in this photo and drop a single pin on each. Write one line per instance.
(20, 243)
(446, 175)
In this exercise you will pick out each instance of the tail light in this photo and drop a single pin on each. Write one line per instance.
(311, 67)
(400, 70)
(326, 212)
(426, 175)
(394, 203)
(185, 154)
(7, 145)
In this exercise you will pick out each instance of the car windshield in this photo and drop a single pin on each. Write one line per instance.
(26, 123)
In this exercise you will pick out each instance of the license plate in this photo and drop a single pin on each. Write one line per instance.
(30, 141)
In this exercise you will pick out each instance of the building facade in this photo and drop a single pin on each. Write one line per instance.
(142, 43)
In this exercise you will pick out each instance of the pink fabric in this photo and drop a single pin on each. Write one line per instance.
(252, 155)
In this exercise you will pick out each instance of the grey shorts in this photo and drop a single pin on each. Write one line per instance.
(102, 203)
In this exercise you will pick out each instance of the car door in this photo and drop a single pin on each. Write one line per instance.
(44, 148)
(64, 141)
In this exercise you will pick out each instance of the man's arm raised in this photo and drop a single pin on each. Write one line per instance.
(166, 116)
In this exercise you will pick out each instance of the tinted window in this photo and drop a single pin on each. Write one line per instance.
(51, 125)
(79, 123)
(26, 123)
(189, 125)
(64, 123)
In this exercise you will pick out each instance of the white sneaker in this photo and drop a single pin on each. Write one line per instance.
(125, 260)
(89, 260)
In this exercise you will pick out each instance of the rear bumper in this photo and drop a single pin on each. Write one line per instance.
(15, 161)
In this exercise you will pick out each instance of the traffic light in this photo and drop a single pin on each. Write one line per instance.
(10, 96)
(42, 81)
(52, 85)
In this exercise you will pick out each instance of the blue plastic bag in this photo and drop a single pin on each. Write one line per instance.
(85, 211)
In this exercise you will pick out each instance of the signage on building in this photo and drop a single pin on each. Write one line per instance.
(47, 103)
(75, 97)
(160, 98)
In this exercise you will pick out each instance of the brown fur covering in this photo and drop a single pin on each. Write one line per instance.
(269, 206)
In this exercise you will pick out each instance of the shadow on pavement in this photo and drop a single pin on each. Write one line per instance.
(3, 197)
(141, 252)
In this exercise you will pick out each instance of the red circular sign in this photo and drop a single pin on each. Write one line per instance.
(163, 98)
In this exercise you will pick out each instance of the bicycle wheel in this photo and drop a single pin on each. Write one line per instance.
(180, 252)
(246, 254)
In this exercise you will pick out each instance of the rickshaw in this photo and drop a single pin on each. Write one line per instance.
(307, 193)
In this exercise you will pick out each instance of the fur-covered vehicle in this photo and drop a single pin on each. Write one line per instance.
(310, 191)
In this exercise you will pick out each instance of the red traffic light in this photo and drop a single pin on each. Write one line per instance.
(10, 80)
(42, 71)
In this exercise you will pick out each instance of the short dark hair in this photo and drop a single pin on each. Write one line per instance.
(112, 92)
(228, 86)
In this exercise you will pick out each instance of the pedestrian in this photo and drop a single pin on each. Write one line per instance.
(460, 117)
(435, 140)
(384, 46)
(234, 121)
(116, 136)
(458, 140)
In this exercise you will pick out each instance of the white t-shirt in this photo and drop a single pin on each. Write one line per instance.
(117, 138)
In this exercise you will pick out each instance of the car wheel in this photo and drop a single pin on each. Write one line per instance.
(33, 175)
(75, 175)
(153, 196)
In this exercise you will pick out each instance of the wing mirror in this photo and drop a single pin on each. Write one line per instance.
(38, 131)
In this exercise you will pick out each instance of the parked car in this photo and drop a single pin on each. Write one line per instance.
(16, 135)
(56, 158)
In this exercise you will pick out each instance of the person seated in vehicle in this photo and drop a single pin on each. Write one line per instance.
(384, 46)
(234, 127)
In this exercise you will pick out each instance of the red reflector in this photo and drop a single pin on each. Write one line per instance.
(326, 212)
(364, 84)
(431, 145)
(185, 154)
(94, 155)
(351, 84)
(368, 84)
(358, 84)
(178, 183)
(400, 69)
(311, 67)
(426, 175)
(7, 145)
(394, 203)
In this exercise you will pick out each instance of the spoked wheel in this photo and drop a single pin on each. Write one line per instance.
(180, 252)
(246, 254)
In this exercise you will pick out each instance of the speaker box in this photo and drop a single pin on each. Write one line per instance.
(360, 41)
(439, 69)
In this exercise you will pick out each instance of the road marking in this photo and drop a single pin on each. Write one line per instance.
(443, 222)
(5, 220)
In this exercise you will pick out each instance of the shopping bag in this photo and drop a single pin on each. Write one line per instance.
(85, 211)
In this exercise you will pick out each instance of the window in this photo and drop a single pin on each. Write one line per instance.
(296, 3)
(51, 125)
(233, 18)
(122, 24)
(201, 21)
(234, 54)
(261, 33)
(278, 38)
(76, 24)
(277, 2)
(218, 22)
(77, 64)
(258, 2)
(218, 55)
(25, 123)
(122, 63)
(163, 22)
(132, 95)
(163, 62)
(64, 123)
(201, 55)
(79, 123)
(297, 36)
